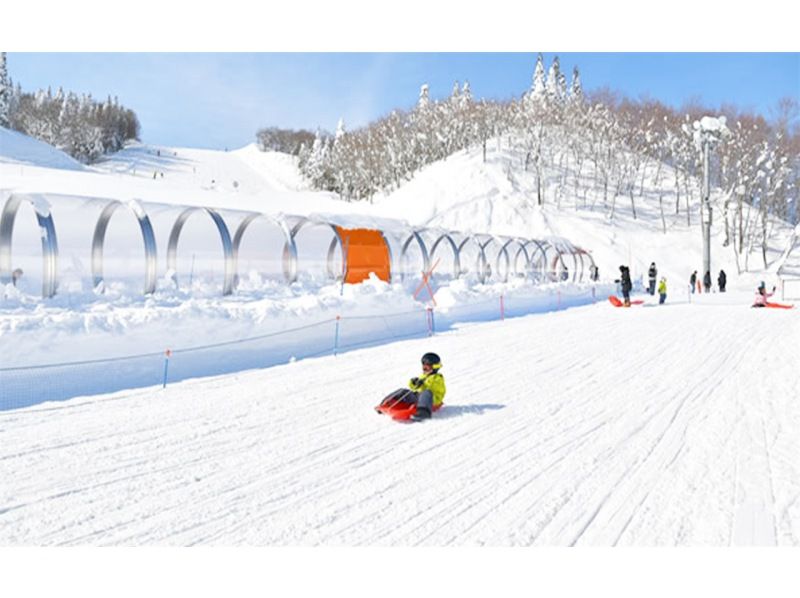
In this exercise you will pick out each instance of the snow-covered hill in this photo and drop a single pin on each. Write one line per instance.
(19, 150)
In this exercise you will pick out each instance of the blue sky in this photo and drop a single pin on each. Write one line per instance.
(217, 100)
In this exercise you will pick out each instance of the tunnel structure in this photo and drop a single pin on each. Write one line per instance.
(62, 244)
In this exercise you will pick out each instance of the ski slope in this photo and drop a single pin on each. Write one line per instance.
(595, 426)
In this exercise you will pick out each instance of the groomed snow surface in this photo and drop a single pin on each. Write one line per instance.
(594, 426)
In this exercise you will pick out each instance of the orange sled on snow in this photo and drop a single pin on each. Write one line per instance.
(400, 405)
(776, 305)
(617, 302)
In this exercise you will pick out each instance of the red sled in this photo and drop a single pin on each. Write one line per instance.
(775, 305)
(617, 302)
(401, 405)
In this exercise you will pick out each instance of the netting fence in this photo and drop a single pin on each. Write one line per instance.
(26, 385)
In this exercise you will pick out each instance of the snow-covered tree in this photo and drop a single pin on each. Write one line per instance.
(424, 101)
(552, 89)
(576, 90)
(466, 94)
(340, 131)
(5, 92)
(538, 86)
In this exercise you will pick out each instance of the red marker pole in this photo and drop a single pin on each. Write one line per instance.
(167, 355)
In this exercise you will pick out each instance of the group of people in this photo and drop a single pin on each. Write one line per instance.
(694, 281)
(626, 285)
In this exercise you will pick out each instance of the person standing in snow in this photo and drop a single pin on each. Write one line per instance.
(762, 295)
(707, 281)
(625, 284)
(651, 275)
(693, 280)
(662, 290)
(722, 280)
(428, 388)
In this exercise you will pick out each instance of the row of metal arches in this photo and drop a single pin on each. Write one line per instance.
(412, 253)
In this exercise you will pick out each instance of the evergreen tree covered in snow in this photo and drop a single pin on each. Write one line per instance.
(5, 92)
(552, 86)
(576, 90)
(538, 86)
(424, 101)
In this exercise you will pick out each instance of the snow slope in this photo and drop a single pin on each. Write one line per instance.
(653, 426)
(18, 150)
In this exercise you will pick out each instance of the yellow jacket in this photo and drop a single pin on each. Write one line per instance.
(662, 287)
(433, 382)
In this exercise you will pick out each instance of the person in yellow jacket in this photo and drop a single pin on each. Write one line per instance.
(662, 291)
(429, 388)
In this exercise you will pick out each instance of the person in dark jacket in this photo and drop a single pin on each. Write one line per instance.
(693, 280)
(722, 280)
(625, 284)
(651, 276)
(707, 281)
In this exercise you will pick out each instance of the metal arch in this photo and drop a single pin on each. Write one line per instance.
(524, 251)
(482, 261)
(581, 254)
(500, 251)
(49, 241)
(337, 238)
(225, 237)
(456, 257)
(426, 262)
(564, 248)
(574, 252)
(542, 274)
(148, 238)
(391, 256)
(289, 257)
(516, 255)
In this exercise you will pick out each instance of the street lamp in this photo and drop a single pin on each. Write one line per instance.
(707, 133)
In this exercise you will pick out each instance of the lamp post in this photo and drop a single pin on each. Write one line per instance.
(707, 132)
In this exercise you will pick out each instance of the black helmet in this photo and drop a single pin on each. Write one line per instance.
(433, 360)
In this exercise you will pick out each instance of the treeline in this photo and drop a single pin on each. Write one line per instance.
(82, 127)
(287, 141)
(591, 152)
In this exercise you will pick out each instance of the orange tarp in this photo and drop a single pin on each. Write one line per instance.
(366, 252)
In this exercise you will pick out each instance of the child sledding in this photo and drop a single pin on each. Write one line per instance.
(762, 297)
(424, 395)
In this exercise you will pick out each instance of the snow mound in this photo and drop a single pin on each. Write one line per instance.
(16, 148)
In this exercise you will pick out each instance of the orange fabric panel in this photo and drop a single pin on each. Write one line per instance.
(366, 252)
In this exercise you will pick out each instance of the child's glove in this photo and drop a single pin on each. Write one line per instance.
(415, 381)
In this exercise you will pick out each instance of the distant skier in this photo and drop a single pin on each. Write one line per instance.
(651, 276)
(762, 295)
(594, 273)
(625, 283)
(722, 280)
(16, 275)
(662, 290)
(707, 281)
(429, 388)
(693, 280)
